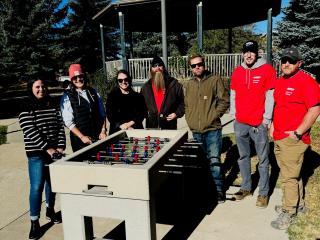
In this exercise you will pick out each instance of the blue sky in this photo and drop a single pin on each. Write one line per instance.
(261, 27)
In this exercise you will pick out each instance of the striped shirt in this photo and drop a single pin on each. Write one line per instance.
(42, 129)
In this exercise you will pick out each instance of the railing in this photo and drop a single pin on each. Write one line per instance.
(220, 64)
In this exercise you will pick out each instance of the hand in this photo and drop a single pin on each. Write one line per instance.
(51, 151)
(126, 125)
(102, 135)
(271, 130)
(292, 135)
(171, 116)
(60, 150)
(86, 140)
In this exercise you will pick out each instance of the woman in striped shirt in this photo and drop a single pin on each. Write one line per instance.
(44, 137)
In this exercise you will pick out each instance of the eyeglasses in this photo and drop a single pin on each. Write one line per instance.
(157, 65)
(121, 80)
(291, 61)
(75, 78)
(199, 64)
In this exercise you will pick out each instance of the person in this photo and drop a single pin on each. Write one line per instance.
(163, 97)
(125, 108)
(82, 110)
(297, 106)
(206, 100)
(251, 98)
(44, 137)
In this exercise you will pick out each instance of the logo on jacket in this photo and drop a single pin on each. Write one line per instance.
(256, 79)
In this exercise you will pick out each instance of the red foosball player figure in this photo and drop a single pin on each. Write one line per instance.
(116, 157)
(136, 157)
(98, 156)
(157, 148)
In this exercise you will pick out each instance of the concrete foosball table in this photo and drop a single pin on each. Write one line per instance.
(98, 187)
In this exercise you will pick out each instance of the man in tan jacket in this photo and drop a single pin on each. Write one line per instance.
(206, 100)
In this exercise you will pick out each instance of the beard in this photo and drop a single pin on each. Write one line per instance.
(158, 80)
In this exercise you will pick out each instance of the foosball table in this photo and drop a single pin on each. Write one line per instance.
(117, 177)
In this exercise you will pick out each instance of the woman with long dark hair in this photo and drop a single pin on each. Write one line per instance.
(44, 138)
(125, 108)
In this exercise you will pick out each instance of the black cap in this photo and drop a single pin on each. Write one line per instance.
(157, 60)
(292, 53)
(250, 46)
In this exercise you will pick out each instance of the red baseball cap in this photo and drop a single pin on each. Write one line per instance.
(75, 70)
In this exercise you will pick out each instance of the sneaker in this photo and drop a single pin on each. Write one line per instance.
(241, 194)
(301, 209)
(221, 196)
(283, 221)
(52, 216)
(262, 201)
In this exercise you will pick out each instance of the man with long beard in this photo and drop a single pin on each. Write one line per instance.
(163, 97)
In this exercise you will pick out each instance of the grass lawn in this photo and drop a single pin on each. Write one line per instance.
(307, 226)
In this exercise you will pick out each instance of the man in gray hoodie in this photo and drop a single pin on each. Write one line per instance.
(251, 100)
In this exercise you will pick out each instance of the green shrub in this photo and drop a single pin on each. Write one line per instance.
(102, 83)
(3, 134)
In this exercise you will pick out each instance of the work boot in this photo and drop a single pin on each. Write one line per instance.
(300, 209)
(241, 194)
(52, 216)
(35, 229)
(262, 201)
(283, 221)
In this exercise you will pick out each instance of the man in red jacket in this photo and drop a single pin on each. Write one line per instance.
(297, 106)
(251, 101)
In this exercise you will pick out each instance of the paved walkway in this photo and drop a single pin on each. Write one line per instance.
(229, 221)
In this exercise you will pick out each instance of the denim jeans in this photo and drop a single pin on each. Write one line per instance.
(39, 177)
(212, 144)
(259, 136)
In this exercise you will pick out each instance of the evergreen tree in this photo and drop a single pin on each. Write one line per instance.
(29, 37)
(301, 28)
(82, 42)
(216, 41)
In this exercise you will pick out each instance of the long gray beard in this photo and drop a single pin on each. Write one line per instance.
(158, 80)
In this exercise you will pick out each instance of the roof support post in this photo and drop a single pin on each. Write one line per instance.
(102, 50)
(164, 33)
(123, 43)
(199, 27)
(269, 37)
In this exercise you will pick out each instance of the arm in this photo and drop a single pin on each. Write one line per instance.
(30, 130)
(180, 108)
(232, 103)
(102, 112)
(223, 101)
(307, 122)
(268, 107)
(61, 133)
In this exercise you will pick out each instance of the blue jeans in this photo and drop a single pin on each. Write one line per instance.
(39, 177)
(212, 144)
(259, 136)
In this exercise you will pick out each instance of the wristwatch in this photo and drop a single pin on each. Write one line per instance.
(299, 136)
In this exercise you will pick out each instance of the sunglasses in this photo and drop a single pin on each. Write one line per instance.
(122, 80)
(200, 64)
(157, 65)
(75, 78)
(291, 61)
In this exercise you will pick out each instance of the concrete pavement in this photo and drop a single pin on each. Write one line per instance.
(228, 221)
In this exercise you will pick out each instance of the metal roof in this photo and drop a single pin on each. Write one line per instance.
(145, 15)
